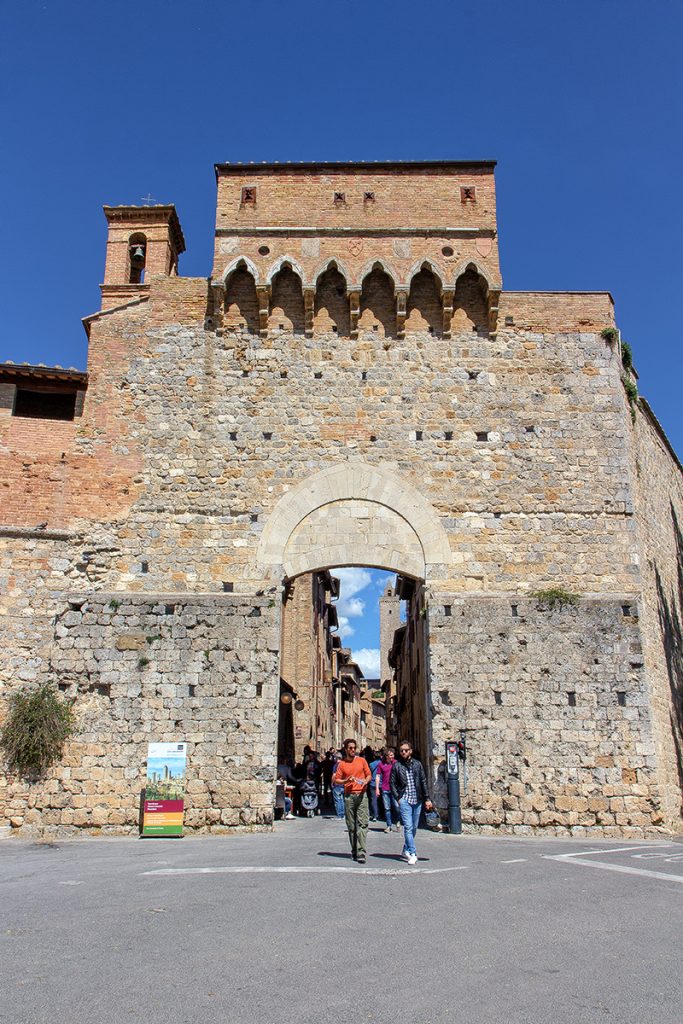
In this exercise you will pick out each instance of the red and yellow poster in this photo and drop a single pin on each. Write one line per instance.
(164, 789)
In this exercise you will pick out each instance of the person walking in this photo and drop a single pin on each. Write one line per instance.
(409, 790)
(383, 789)
(353, 773)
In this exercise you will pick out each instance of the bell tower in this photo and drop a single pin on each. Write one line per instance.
(143, 242)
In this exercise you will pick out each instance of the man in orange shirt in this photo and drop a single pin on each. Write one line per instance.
(353, 773)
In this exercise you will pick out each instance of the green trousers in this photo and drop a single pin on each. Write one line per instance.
(356, 813)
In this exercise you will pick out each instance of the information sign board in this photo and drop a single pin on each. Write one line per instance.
(164, 789)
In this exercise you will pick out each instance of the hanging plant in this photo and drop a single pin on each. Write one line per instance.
(609, 334)
(631, 389)
(37, 727)
(626, 356)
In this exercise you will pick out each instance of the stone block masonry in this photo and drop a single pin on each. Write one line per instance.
(163, 667)
(555, 701)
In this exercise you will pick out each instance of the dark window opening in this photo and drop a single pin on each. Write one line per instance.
(318, 375)
(191, 690)
(626, 610)
(418, 435)
(249, 196)
(44, 405)
(468, 194)
(339, 198)
(368, 197)
(515, 612)
(259, 689)
(448, 435)
(447, 609)
(228, 587)
(264, 250)
(509, 321)
(498, 696)
(571, 698)
(621, 698)
(482, 435)
(144, 566)
(447, 250)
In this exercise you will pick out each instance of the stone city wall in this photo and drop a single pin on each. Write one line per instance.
(557, 704)
(160, 668)
(659, 483)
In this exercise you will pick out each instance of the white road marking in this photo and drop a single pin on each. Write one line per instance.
(289, 869)
(520, 860)
(589, 853)
(71, 883)
(622, 868)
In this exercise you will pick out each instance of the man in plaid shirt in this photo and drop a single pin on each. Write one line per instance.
(409, 789)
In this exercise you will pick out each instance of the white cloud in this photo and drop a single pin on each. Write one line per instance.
(345, 629)
(354, 607)
(352, 581)
(368, 659)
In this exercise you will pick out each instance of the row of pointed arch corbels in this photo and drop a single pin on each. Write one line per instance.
(447, 288)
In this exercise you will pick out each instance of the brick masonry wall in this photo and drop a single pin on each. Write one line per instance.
(129, 663)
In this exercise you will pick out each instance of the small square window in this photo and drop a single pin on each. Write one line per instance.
(339, 198)
(468, 194)
(368, 197)
(249, 196)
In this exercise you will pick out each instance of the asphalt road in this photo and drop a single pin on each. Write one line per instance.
(285, 929)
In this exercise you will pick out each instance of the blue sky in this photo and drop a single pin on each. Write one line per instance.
(580, 103)
(358, 613)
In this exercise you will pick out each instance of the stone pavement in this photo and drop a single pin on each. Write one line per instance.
(283, 928)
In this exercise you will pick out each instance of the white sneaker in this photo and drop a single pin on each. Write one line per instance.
(289, 815)
(412, 858)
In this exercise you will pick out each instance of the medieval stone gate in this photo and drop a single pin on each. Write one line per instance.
(350, 386)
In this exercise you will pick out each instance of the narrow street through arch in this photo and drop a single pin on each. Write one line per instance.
(353, 664)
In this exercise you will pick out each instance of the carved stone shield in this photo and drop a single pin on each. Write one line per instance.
(355, 246)
(484, 246)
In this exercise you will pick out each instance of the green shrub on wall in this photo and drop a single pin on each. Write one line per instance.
(555, 597)
(37, 727)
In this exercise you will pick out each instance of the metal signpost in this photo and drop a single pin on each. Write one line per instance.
(453, 779)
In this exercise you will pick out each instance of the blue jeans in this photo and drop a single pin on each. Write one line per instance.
(410, 819)
(389, 806)
(338, 796)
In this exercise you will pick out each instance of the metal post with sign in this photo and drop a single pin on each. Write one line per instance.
(453, 780)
